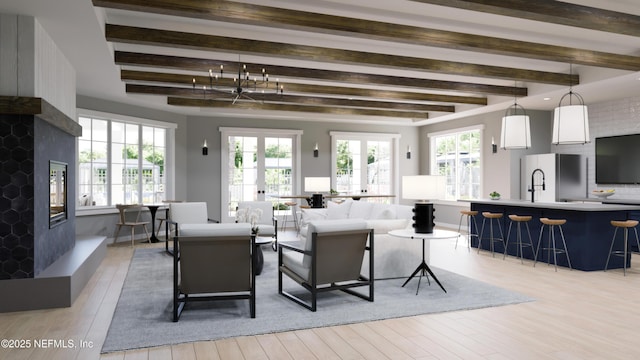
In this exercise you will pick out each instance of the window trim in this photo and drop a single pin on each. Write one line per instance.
(169, 153)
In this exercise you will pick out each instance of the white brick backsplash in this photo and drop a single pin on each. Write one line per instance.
(616, 117)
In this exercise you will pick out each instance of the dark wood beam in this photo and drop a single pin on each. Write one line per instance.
(329, 24)
(185, 80)
(22, 105)
(198, 64)
(168, 38)
(177, 101)
(551, 11)
(286, 98)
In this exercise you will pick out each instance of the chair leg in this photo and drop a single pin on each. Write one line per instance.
(480, 235)
(146, 232)
(459, 228)
(566, 251)
(535, 255)
(115, 235)
(133, 233)
(606, 265)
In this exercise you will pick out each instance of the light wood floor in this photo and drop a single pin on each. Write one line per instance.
(576, 315)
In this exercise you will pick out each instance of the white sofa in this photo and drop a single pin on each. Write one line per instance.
(394, 257)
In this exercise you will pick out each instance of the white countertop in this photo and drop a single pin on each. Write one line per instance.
(576, 206)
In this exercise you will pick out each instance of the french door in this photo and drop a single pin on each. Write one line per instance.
(258, 165)
(365, 163)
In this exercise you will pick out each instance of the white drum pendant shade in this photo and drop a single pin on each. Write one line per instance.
(570, 125)
(516, 132)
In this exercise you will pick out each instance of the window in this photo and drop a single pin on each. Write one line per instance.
(365, 163)
(122, 160)
(457, 155)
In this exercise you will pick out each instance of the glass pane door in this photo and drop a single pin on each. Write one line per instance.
(379, 172)
(259, 167)
(364, 167)
(242, 167)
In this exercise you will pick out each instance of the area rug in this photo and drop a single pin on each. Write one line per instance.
(142, 317)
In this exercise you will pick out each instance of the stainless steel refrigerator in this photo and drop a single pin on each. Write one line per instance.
(565, 177)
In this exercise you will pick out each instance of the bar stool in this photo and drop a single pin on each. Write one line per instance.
(519, 219)
(491, 216)
(471, 215)
(551, 241)
(625, 225)
(292, 205)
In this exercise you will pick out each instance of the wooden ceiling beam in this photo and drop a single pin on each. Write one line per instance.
(573, 15)
(185, 80)
(168, 38)
(198, 64)
(286, 98)
(251, 105)
(551, 11)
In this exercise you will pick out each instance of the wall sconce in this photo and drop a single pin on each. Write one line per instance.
(408, 152)
(315, 151)
(494, 147)
(205, 149)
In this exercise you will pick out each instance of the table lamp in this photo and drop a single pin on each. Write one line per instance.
(423, 188)
(317, 185)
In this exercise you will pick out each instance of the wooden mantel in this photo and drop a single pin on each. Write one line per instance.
(19, 105)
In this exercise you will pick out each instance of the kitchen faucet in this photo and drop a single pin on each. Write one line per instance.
(533, 185)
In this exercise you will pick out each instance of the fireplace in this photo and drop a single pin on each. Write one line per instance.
(57, 193)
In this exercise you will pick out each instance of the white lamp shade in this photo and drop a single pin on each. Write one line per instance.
(570, 125)
(516, 132)
(317, 184)
(424, 187)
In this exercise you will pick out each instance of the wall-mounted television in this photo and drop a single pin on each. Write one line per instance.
(618, 159)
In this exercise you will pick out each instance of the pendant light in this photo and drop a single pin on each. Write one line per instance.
(570, 122)
(516, 128)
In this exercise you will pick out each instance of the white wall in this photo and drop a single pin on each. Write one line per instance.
(32, 65)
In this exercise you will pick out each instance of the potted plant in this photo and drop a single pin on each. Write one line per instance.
(494, 195)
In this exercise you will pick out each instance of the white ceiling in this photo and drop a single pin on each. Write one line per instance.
(78, 30)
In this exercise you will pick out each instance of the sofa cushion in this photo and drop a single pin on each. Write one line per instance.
(383, 226)
(383, 212)
(337, 211)
(360, 210)
(293, 260)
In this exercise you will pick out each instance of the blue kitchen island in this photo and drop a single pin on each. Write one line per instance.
(588, 230)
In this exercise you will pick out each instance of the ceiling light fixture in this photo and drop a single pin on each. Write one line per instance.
(516, 128)
(570, 122)
(243, 84)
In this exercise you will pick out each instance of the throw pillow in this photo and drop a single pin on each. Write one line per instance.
(360, 210)
(313, 214)
(337, 211)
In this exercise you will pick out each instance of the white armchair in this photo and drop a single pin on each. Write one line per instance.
(266, 222)
(187, 216)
